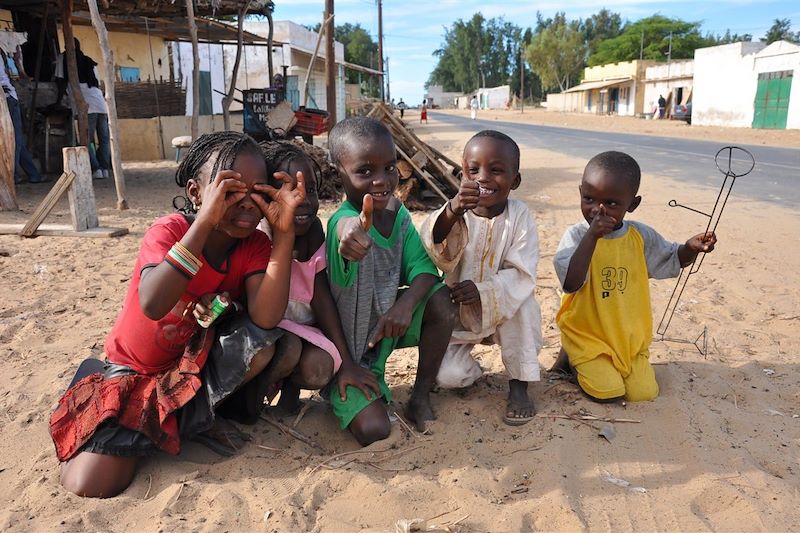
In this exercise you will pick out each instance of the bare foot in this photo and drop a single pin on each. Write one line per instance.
(289, 402)
(418, 410)
(520, 408)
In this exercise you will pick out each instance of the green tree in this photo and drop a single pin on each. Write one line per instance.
(652, 37)
(557, 51)
(731, 38)
(478, 53)
(359, 49)
(601, 26)
(781, 30)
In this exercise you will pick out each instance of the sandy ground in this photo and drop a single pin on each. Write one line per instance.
(718, 450)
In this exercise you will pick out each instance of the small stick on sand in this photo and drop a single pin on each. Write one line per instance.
(149, 485)
(579, 418)
(356, 452)
(302, 413)
(442, 514)
(405, 425)
(292, 432)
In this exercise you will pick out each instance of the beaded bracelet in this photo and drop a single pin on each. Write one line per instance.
(182, 259)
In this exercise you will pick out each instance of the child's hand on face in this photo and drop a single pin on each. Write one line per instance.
(355, 242)
(702, 242)
(223, 192)
(280, 211)
(467, 197)
(393, 324)
(602, 224)
(465, 292)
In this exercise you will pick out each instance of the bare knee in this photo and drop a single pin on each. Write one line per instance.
(315, 368)
(285, 357)
(259, 362)
(95, 475)
(440, 310)
(371, 425)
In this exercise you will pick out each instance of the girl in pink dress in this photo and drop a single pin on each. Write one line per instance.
(311, 313)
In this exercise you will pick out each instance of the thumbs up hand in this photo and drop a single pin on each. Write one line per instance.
(366, 213)
(354, 239)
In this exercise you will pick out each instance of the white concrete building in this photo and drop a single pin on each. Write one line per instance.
(613, 89)
(724, 84)
(673, 81)
(494, 97)
(747, 84)
(293, 46)
(436, 96)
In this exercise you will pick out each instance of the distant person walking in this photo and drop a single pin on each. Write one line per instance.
(423, 114)
(473, 106)
(662, 105)
(401, 105)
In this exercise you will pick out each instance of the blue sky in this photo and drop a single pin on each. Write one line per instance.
(413, 29)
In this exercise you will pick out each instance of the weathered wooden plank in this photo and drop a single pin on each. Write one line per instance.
(64, 230)
(47, 204)
(81, 194)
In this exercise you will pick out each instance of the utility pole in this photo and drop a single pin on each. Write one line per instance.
(388, 89)
(330, 65)
(641, 46)
(669, 67)
(521, 79)
(380, 49)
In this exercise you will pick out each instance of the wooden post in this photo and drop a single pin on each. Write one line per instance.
(81, 193)
(322, 29)
(72, 72)
(8, 196)
(270, 32)
(226, 101)
(111, 102)
(195, 69)
(330, 66)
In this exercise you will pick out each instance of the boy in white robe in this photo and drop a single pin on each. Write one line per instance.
(488, 248)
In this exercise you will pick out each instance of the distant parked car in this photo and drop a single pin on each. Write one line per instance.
(683, 112)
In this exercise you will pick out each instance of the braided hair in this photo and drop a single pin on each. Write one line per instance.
(280, 154)
(226, 144)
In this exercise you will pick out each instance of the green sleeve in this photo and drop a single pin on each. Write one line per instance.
(340, 271)
(415, 260)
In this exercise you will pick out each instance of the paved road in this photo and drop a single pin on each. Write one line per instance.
(776, 177)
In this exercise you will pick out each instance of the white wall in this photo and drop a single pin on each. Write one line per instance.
(780, 56)
(494, 97)
(725, 85)
(210, 60)
(253, 69)
(662, 79)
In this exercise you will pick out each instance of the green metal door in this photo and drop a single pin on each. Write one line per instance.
(771, 106)
(205, 93)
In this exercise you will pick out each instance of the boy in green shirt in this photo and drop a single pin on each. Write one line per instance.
(386, 288)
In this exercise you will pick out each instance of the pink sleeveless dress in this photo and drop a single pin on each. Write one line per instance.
(299, 318)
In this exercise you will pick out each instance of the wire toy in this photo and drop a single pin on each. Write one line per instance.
(734, 162)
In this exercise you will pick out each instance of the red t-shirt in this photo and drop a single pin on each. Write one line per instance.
(151, 346)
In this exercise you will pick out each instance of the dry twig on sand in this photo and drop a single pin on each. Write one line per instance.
(302, 413)
(292, 432)
(582, 417)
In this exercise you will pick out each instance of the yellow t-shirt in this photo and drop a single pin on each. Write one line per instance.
(611, 313)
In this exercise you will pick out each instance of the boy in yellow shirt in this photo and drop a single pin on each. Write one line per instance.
(603, 265)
